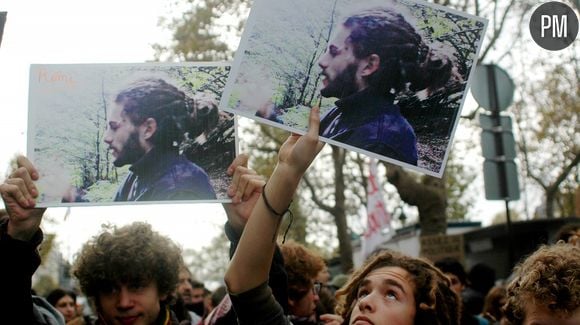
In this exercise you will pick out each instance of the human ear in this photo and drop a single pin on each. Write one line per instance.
(371, 64)
(149, 127)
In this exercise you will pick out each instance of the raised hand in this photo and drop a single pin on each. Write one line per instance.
(244, 191)
(298, 152)
(19, 193)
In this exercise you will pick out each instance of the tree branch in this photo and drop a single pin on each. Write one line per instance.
(556, 184)
(315, 197)
(497, 31)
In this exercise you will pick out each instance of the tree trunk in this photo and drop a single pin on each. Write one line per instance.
(428, 196)
(339, 213)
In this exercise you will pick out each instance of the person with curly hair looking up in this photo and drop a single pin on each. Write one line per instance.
(390, 289)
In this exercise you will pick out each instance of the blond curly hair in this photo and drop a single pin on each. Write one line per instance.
(550, 276)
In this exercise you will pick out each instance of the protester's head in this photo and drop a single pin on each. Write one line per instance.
(150, 113)
(546, 287)
(378, 48)
(391, 288)
(197, 297)
(569, 233)
(65, 302)
(129, 272)
(323, 276)
(454, 270)
(184, 288)
(493, 303)
(217, 296)
(302, 266)
(481, 277)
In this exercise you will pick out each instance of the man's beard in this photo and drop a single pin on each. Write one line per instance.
(343, 85)
(132, 151)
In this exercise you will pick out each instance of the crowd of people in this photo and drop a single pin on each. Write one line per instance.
(133, 275)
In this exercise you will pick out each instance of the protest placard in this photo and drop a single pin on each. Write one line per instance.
(146, 133)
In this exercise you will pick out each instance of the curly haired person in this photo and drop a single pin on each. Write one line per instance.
(303, 266)
(546, 287)
(130, 274)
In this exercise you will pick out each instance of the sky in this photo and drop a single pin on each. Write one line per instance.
(106, 31)
(72, 31)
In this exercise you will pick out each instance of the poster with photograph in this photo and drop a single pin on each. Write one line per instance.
(104, 134)
(390, 76)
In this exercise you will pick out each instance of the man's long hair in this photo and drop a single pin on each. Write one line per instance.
(406, 61)
(157, 99)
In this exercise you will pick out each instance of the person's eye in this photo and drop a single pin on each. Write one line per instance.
(362, 293)
(109, 290)
(392, 295)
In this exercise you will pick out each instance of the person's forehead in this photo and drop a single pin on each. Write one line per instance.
(184, 274)
(537, 313)
(66, 298)
(340, 37)
(396, 273)
(116, 111)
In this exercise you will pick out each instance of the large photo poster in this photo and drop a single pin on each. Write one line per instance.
(390, 76)
(141, 133)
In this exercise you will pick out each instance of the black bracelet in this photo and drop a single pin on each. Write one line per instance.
(274, 212)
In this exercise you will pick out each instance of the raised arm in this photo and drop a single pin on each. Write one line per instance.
(19, 194)
(250, 264)
(19, 237)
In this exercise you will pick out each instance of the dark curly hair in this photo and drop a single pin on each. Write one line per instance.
(550, 276)
(132, 255)
(302, 266)
(435, 302)
(404, 56)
